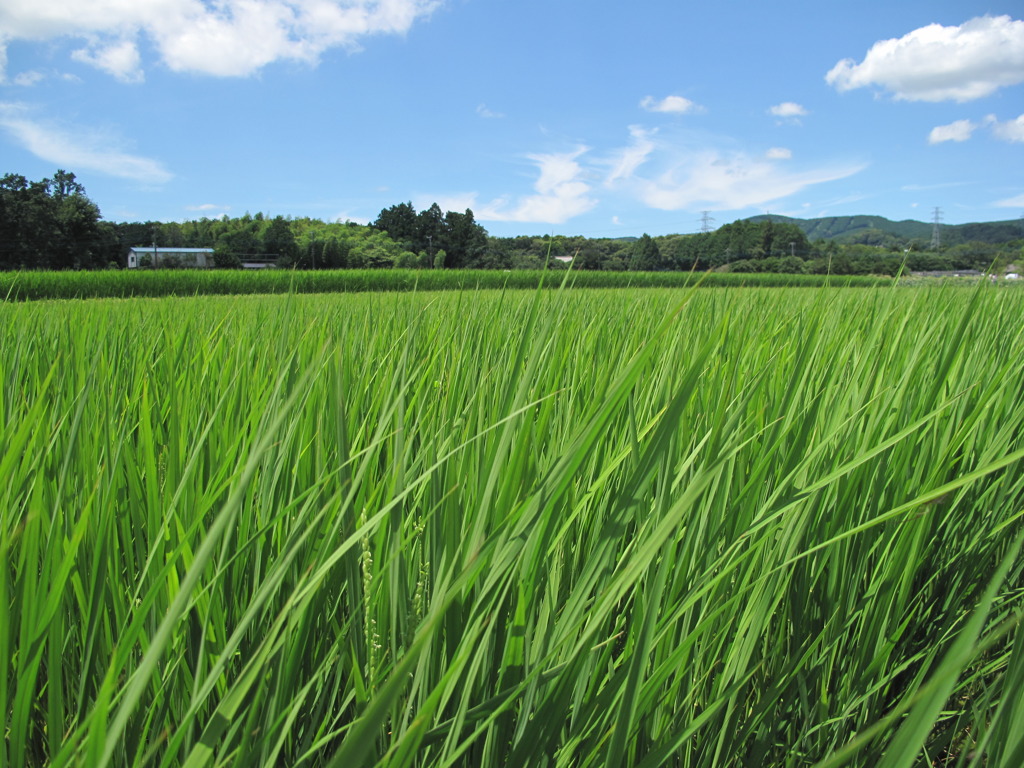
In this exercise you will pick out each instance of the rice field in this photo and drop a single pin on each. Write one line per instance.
(714, 527)
(206, 282)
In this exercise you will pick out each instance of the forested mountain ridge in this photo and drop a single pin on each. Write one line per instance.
(878, 230)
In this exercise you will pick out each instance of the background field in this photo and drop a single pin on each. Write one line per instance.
(619, 527)
(154, 283)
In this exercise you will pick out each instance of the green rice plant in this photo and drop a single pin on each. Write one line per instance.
(184, 282)
(626, 527)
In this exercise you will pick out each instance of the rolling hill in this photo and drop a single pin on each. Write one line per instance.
(874, 230)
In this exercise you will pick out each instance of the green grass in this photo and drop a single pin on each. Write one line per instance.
(566, 528)
(181, 282)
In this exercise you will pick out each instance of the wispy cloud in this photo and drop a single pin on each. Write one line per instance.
(937, 63)
(928, 187)
(488, 114)
(669, 175)
(625, 162)
(676, 105)
(724, 181)
(1011, 202)
(28, 79)
(77, 148)
(207, 207)
(229, 38)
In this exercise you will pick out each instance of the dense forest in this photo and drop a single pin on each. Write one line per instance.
(52, 225)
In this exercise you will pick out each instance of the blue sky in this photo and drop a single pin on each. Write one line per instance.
(563, 116)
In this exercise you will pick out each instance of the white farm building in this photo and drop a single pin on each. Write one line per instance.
(179, 257)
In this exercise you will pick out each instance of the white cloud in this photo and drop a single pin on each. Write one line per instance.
(716, 181)
(1011, 202)
(225, 38)
(488, 114)
(561, 193)
(77, 149)
(626, 160)
(120, 59)
(207, 207)
(682, 177)
(673, 104)
(788, 112)
(936, 63)
(28, 79)
(1011, 130)
(959, 130)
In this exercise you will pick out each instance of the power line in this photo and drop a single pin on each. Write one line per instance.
(705, 222)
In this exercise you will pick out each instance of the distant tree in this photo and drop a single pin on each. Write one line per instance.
(646, 256)
(279, 241)
(400, 222)
(238, 242)
(464, 240)
(431, 233)
(48, 224)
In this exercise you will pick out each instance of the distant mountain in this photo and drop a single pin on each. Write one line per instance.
(877, 230)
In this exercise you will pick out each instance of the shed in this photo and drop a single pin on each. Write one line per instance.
(179, 257)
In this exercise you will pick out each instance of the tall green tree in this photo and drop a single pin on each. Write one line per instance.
(431, 232)
(646, 256)
(399, 221)
(48, 224)
(465, 241)
(278, 240)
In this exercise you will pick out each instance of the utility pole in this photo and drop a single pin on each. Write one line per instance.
(936, 233)
(155, 255)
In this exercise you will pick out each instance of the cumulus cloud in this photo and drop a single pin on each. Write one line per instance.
(120, 59)
(225, 38)
(789, 111)
(561, 193)
(672, 104)
(937, 63)
(1011, 130)
(959, 130)
(77, 148)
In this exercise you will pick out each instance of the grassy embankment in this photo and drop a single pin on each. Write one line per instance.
(715, 527)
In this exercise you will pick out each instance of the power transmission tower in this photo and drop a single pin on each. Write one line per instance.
(705, 222)
(936, 233)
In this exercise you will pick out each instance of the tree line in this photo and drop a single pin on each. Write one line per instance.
(52, 224)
